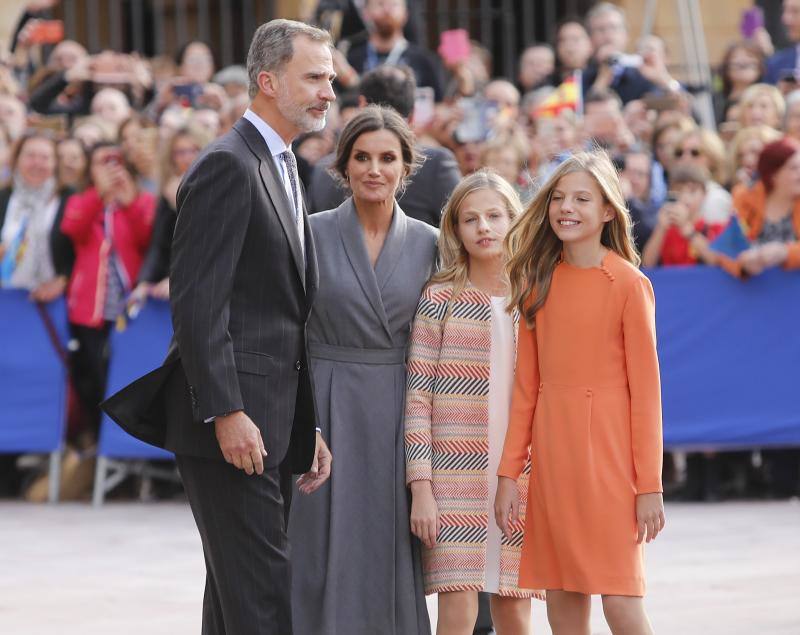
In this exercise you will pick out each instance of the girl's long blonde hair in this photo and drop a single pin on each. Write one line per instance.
(533, 248)
(453, 257)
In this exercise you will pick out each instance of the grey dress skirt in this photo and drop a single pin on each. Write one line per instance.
(356, 568)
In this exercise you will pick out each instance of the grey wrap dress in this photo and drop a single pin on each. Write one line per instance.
(355, 568)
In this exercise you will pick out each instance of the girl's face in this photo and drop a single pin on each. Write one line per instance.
(482, 223)
(578, 211)
(375, 167)
(760, 111)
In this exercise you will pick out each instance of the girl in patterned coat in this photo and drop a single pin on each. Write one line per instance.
(460, 373)
(586, 406)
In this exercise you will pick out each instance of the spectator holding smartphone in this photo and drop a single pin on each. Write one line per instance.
(681, 235)
(110, 225)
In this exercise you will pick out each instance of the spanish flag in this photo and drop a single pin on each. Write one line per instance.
(566, 97)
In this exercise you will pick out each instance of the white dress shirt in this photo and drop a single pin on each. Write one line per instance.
(277, 146)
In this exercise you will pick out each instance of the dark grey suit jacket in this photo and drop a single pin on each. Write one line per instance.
(241, 293)
(424, 198)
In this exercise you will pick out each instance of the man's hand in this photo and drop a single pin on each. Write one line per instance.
(240, 441)
(320, 470)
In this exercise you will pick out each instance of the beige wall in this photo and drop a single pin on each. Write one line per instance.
(720, 24)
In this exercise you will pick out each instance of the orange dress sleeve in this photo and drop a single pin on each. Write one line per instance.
(523, 405)
(639, 332)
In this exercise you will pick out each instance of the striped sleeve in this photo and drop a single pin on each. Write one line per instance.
(423, 359)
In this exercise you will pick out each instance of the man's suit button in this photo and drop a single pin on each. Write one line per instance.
(298, 365)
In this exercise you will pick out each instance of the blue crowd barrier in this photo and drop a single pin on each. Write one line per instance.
(728, 348)
(137, 350)
(730, 354)
(32, 375)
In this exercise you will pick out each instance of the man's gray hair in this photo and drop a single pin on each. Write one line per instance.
(602, 8)
(273, 46)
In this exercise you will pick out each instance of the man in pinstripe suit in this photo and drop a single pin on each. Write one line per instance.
(233, 399)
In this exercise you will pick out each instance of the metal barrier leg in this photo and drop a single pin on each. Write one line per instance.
(54, 477)
(101, 467)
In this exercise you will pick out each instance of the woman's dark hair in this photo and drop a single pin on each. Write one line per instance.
(181, 52)
(753, 49)
(371, 119)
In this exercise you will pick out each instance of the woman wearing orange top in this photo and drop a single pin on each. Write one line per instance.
(770, 210)
(586, 401)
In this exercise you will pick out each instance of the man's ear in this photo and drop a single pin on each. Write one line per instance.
(268, 83)
(362, 101)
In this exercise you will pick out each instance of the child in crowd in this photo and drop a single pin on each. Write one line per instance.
(681, 235)
(586, 405)
(460, 372)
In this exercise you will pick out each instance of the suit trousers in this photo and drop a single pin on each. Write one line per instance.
(241, 523)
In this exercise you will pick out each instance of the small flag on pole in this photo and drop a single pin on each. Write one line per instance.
(566, 97)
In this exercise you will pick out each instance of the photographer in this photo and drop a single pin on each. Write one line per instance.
(630, 76)
(71, 91)
(110, 225)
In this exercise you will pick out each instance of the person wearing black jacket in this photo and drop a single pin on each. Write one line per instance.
(180, 152)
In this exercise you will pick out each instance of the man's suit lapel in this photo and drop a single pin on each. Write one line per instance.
(274, 186)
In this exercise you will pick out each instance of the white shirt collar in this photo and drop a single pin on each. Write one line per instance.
(273, 140)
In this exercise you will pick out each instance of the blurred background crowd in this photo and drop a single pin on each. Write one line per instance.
(94, 142)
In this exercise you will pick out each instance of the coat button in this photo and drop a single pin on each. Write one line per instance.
(297, 365)
(588, 393)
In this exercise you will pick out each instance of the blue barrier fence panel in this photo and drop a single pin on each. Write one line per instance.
(32, 375)
(137, 350)
(730, 356)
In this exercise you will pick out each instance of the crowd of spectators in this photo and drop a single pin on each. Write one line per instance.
(93, 147)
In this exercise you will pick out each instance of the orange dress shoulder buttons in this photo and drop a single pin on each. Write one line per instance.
(595, 339)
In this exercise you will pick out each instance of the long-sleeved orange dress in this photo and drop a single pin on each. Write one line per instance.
(587, 403)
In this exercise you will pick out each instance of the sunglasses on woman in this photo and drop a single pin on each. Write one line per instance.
(695, 152)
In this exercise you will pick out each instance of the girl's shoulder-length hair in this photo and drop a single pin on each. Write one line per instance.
(534, 250)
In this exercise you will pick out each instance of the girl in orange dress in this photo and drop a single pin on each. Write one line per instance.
(586, 402)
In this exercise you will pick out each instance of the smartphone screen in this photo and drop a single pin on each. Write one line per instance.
(423, 106)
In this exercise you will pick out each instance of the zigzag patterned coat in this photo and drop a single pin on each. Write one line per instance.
(446, 438)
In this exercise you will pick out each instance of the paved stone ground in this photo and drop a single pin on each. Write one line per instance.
(133, 568)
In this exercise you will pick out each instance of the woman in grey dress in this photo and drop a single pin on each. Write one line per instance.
(355, 567)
